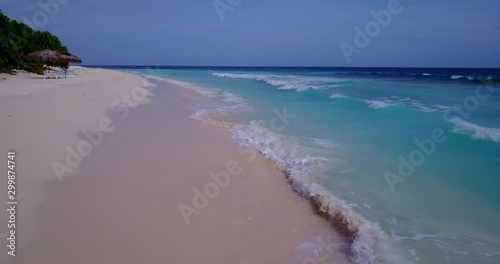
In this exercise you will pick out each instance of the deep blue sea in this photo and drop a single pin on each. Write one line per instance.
(407, 161)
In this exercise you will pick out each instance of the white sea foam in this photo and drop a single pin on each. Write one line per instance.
(470, 78)
(232, 98)
(475, 131)
(376, 104)
(201, 114)
(305, 250)
(369, 243)
(398, 101)
(337, 96)
(457, 77)
(443, 107)
(421, 107)
(287, 153)
(287, 82)
(221, 103)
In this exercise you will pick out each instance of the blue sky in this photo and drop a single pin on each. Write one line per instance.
(445, 33)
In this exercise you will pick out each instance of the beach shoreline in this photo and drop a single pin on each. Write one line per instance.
(42, 120)
(143, 190)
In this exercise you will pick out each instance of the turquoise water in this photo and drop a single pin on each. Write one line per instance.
(350, 141)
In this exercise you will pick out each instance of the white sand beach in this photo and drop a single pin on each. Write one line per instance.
(139, 162)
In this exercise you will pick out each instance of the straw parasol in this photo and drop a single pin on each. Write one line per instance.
(51, 57)
(66, 57)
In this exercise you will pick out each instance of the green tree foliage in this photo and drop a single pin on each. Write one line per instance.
(18, 40)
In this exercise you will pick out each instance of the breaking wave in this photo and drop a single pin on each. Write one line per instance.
(369, 244)
(475, 131)
(376, 104)
(287, 82)
(337, 96)
(407, 102)
(456, 76)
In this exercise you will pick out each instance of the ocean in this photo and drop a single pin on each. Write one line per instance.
(404, 161)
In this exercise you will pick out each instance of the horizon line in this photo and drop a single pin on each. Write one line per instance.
(232, 66)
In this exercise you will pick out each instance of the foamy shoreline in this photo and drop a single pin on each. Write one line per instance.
(141, 164)
(367, 242)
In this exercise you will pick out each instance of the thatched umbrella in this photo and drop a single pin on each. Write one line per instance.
(48, 57)
(68, 57)
(51, 57)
